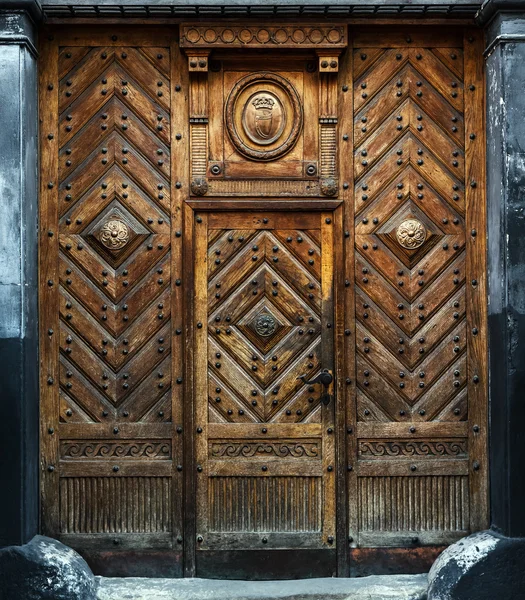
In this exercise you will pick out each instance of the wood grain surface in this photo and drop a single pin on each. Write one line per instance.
(191, 272)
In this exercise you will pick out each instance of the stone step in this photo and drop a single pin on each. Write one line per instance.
(378, 587)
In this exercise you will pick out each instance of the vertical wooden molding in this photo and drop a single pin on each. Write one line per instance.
(215, 128)
(200, 342)
(199, 116)
(348, 502)
(49, 284)
(328, 225)
(189, 394)
(339, 407)
(476, 269)
(328, 123)
(179, 186)
(183, 177)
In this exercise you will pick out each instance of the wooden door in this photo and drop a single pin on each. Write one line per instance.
(418, 270)
(265, 449)
(263, 124)
(109, 317)
(217, 223)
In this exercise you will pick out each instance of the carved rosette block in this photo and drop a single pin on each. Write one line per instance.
(265, 325)
(411, 234)
(114, 234)
(329, 187)
(199, 186)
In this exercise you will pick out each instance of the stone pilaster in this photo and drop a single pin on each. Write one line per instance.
(18, 273)
(505, 64)
(490, 564)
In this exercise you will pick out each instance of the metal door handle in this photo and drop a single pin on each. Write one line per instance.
(324, 377)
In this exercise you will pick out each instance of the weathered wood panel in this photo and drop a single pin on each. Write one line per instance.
(419, 277)
(157, 366)
(264, 439)
(109, 351)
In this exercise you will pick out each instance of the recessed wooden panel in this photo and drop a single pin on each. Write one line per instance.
(263, 124)
(109, 505)
(265, 452)
(109, 322)
(415, 331)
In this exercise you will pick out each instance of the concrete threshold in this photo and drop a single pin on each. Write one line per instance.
(377, 587)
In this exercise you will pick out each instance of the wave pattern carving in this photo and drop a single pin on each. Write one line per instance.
(400, 448)
(280, 449)
(71, 450)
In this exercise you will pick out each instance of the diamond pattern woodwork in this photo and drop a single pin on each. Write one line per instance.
(265, 323)
(264, 283)
(416, 273)
(180, 306)
(114, 235)
(410, 235)
(109, 447)
(114, 229)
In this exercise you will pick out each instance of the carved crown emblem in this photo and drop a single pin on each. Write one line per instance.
(263, 103)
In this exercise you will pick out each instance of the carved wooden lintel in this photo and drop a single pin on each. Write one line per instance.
(277, 36)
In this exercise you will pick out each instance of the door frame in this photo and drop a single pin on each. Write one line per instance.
(286, 563)
(344, 366)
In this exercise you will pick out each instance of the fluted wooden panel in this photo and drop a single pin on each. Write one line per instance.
(248, 504)
(115, 504)
(434, 503)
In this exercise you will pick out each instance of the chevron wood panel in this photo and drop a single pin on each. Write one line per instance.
(264, 284)
(113, 309)
(167, 384)
(413, 335)
(114, 231)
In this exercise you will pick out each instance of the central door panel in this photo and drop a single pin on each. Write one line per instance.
(264, 438)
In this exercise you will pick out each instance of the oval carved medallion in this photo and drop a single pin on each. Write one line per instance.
(114, 234)
(411, 234)
(265, 325)
(264, 116)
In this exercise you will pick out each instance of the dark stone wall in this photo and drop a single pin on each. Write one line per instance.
(18, 281)
(506, 259)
